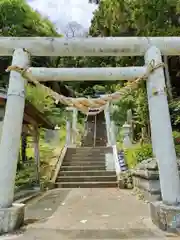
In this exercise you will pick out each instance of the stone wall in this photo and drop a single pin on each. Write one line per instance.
(146, 179)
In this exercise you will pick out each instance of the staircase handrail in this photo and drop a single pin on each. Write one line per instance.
(58, 163)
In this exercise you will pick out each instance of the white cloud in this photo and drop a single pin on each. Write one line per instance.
(63, 11)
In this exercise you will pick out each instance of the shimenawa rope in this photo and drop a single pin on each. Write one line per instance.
(86, 104)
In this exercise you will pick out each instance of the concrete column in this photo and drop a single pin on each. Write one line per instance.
(108, 123)
(11, 131)
(112, 132)
(110, 158)
(161, 131)
(68, 132)
(74, 125)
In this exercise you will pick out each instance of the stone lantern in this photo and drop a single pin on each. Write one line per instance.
(126, 135)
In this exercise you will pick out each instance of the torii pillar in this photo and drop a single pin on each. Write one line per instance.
(12, 214)
(165, 214)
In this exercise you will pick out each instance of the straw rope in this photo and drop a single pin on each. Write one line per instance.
(86, 104)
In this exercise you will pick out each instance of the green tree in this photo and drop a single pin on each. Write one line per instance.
(136, 18)
(18, 19)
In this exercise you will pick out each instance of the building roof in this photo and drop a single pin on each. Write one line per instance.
(31, 114)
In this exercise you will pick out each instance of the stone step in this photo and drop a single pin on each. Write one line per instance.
(87, 179)
(87, 154)
(82, 168)
(87, 173)
(89, 149)
(85, 184)
(89, 144)
(83, 163)
(83, 158)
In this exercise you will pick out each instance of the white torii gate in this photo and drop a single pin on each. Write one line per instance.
(161, 130)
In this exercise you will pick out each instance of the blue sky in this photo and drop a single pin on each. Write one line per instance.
(63, 11)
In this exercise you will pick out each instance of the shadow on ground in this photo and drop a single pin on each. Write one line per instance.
(45, 206)
(108, 234)
(90, 234)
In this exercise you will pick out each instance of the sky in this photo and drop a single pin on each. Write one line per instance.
(63, 11)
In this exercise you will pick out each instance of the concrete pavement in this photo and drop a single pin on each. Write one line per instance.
(85, 214)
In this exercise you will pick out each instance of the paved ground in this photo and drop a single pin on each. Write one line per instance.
(85, 214)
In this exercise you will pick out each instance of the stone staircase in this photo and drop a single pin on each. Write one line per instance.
(85, 167)
(96, 134)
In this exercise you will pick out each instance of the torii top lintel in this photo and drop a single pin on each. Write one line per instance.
(99, 46)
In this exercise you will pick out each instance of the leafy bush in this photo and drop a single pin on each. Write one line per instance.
(129, 157)
(125, 180)
(176, 136)
(143, 152)
(177, 148)
(174, 108)
(26, 176)
(137, 154)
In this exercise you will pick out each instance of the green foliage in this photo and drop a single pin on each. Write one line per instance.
(120, 112)
(86, 88)
(138, 103)
(174, 107)
(17, 18)
(39, 98)
(26, 175)
(155, 18)
(143, 152)
(137, 154)
(177, 148)
(125, 180)
(136, 18)
(45, 104)
(176, 136)
(45, 151)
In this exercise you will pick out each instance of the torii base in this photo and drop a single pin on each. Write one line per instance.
(11, 218)
(165, 217)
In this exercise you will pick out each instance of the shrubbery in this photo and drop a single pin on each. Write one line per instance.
(137, 154)
(176, 136)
